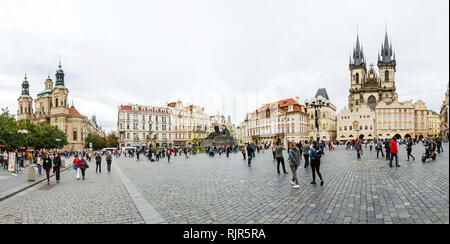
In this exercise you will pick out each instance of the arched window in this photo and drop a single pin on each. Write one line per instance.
(56, 102)
(75, 136)
(357, 78)
(21, 109)
(386, 76)
(372, 102)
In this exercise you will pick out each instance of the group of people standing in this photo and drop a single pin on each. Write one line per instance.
(312, 153)
(80, 165)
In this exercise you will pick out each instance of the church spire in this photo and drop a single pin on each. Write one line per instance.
(386, 49)
(25, 87)
(59, 75)
(358, 52)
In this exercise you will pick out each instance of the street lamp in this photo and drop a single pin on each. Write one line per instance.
(317, 104)
(23, 133)
(57, 142)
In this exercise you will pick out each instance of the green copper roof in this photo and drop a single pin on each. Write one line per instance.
(45, 93)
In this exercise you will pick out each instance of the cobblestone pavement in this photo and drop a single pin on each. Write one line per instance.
(226, 190)
(101, 198)
(221, 190)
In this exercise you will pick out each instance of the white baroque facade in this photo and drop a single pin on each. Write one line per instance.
(140, 126)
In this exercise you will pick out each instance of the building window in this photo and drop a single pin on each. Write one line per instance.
(386, 76)
(357, 78)
(56, 102)
(75, 135)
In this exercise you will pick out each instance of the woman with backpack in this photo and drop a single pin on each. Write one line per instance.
(314, 155)
(83, 166)
(294, 162)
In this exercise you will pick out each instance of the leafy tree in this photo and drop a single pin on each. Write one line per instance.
(98, 142)
(112, 140)
(40, 136)
(8, 129)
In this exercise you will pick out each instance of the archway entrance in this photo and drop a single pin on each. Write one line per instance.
(361, 137)
(398, 136)
(407, 136)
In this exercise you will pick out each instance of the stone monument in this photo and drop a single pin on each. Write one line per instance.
(218, 138)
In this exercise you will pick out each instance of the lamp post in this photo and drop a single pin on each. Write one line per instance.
(23, 133)
(317, 104)
(57, 142)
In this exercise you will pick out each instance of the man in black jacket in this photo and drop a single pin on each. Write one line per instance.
(98, 163)
(57, 166)
(409, 149)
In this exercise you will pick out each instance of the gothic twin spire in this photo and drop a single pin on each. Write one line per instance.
(386, 54)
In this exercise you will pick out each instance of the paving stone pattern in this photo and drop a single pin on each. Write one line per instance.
(366, 191)
(225, 190)
(101, 198)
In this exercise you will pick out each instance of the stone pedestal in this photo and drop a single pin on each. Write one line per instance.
(31, 174)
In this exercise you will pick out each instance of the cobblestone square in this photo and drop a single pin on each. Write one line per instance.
(224, 190)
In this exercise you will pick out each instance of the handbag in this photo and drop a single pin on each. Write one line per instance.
(74, 167)
(86, 165)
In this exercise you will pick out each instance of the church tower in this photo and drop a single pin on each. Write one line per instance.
(387, 68)
(60, 93)
(358, 72)
(25, 108)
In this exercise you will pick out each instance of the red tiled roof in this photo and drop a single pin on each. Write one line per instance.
(172, 105)
(283, 104)
(126, 108)
(74, 111)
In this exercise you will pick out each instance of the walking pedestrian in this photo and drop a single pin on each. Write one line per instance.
(47, 165)
(243, 152)
(306, 148)
(409, 145)
(358, 148)
(108, 162)
(76, 166)
(274, 154)
(98, 163)
(249, 154)
(294, 163)
(280, 159)
(393, 153)
(387, 145)
(168, 152)
(57, 167)
(83, 166)
(5, 160)
(314, 156)
(379, 148)
(39, 160)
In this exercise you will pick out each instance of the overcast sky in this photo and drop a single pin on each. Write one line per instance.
(228, 56)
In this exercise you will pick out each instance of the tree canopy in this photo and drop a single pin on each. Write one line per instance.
(39, 136)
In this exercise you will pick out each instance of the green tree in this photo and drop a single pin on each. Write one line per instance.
(112, 140)
(98, 142)
(8, 129)
(39, 136)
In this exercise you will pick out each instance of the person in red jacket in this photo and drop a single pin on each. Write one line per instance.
(394, 152)
(76, 164)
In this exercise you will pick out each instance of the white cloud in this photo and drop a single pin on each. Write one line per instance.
(225, 55)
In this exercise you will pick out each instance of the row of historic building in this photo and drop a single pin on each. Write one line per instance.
(164, 126)
(51, 106)
(373, 111)
(445, 116)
